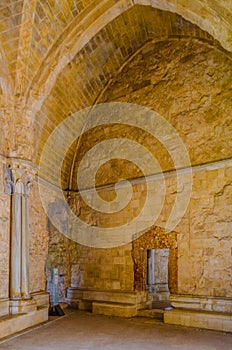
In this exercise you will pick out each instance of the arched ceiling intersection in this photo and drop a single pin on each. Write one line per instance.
(40, 38)
(211, 16)
(82, 80)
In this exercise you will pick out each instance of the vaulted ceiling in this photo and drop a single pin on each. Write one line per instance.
(58, 57)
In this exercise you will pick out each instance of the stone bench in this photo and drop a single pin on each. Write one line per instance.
(200, 319)
(114, 309)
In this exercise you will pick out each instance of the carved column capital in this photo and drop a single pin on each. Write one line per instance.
(19, 177)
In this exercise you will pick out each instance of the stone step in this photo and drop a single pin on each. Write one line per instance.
(11, 324)
(200, 319)
(106, 295)
(161, 304)
(114, 309)
(152, 313)
(41, 298)
(80, 304)
(160, 296)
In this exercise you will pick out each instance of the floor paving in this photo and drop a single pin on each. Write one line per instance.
(82, 330)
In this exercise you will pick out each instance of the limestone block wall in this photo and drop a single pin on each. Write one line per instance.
(56, 58)
(103, 269)
(192, 91)
(58, 256)
(38, 241)
(187, 81)
(200, 255)
(87, 267)
(201, 264)
(205, 255)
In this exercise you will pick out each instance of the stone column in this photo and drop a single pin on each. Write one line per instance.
(16, 233)
(25, 242)
(18, 181)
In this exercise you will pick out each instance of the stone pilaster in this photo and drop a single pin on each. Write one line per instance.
(18, 181)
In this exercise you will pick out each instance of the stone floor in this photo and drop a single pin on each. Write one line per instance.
(82, 330)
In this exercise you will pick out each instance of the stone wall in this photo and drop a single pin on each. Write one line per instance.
(103, 269)
(87, 267)
(188, 83)
(58, 256)
(200, 247)
(205, 248)
(38, 241)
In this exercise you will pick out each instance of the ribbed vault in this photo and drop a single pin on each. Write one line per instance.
(42, 40)
(82, 82)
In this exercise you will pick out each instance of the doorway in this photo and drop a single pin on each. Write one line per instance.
(157, 270)
(157, 239)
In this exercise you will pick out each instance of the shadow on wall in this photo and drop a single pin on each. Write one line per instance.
(60, 252)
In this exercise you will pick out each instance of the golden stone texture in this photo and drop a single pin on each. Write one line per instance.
(58, 57)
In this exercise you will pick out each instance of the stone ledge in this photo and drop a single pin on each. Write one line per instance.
(41, 298)
(4, 307)
(152, 313)
(22, 306)
(80, 304)
(114, 309)
(204, 303)
(134, 298)
(161, 296)
(16, 323)
(200, 319)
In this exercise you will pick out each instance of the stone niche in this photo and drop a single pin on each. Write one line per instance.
(155, 238)
(157, 270)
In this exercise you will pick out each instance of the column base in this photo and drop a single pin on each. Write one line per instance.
(22, 306)
(4, 307)
(17, 315)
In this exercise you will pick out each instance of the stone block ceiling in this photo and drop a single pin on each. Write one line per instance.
(48, 45)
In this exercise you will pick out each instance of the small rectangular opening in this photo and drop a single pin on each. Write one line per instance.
(157, 270)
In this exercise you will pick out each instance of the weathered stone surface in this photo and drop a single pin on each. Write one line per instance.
(208, 320)
(110, 309)
(190, 89)
(57, 57)
(87, 267)
(202, 247)
(154, 238)
(38, 241)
